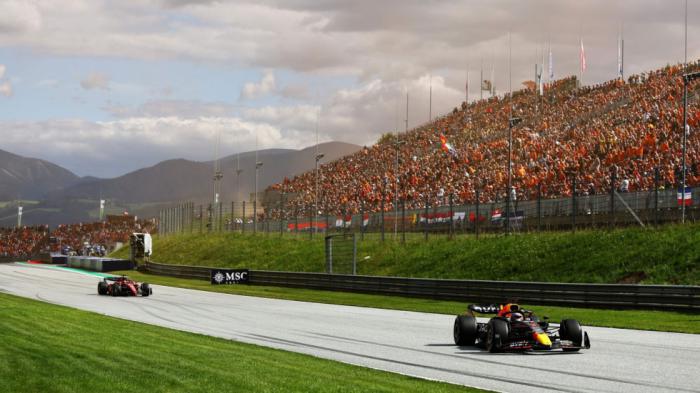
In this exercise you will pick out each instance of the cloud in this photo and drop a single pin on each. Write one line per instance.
(166, 129)
(295, 91)
(295, 117)
(19, 17)
(134, 143)
(95, 80)
(390, 40)
(5, 86)
(256, 90)
(185, 109)
(6, 89)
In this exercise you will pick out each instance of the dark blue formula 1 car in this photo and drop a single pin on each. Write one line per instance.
(514, 329)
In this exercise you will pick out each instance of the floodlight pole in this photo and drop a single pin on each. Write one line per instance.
(511, 123)
(687, 78)
(314, 225)
(258, 165)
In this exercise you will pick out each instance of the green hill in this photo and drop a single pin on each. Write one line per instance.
(669, 255)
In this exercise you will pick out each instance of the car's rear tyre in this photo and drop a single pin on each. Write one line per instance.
(146, 289)
(101, 288)
(570, 329)
(498, 330)
(465, 330)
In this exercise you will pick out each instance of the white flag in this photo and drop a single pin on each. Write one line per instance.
(582, 57)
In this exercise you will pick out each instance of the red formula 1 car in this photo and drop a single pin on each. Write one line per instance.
(122, 286)
(516, 329)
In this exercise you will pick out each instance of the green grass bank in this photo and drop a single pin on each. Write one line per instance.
(49, 348)
(668, 255)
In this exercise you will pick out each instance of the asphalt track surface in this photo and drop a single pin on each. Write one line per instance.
(411, 343)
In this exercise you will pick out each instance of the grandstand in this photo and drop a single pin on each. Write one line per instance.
(25, 242)
(617, 133)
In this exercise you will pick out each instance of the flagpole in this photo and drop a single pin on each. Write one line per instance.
(406, 109)
(466, 89)
(685, 110)
(510, 134)
(580, 63)
(622, 52)
(430, 99)
(481, 81)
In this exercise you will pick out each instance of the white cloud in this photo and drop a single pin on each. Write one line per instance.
(19, 17)
(185, 109)
(6, 89)
(2, 70)
(167, 129)
(256, 90)
(95, 80)
(136, 142)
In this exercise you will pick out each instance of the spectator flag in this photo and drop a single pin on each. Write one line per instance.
(496, 215)
(447, 147)
(582, 58)
(685, 196)
(486, 85)
(365, 220)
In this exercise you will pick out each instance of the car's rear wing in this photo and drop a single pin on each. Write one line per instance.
(485, 308)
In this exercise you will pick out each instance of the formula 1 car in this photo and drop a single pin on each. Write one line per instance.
(514, 329)
(123, 286)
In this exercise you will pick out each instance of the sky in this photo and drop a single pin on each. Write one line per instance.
(103, 88)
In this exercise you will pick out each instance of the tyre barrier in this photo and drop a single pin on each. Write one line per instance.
(98, 264)
(605, 296)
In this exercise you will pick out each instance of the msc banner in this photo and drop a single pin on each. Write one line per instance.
(229, 276)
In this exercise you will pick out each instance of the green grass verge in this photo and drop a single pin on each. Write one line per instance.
(668, 321)
(668, 255)
(49, 348)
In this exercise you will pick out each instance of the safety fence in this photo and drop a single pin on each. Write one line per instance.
(643, 208)
(606, 296)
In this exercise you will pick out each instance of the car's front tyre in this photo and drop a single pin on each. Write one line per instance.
(146, 289)
(498, 330)
(570, 329)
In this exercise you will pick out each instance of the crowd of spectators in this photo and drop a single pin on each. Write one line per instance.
(619, 129)
(81, 239)
(20, 242)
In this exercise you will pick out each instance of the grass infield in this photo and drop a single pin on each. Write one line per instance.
(668, 321)
(50, 348)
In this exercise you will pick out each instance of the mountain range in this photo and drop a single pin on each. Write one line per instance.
(53, 195)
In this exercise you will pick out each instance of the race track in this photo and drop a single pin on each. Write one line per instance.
(410, 343)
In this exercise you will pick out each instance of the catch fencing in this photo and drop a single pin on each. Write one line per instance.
(605, 296)
(527, 212)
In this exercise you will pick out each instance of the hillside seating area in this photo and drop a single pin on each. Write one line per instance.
(622, 130)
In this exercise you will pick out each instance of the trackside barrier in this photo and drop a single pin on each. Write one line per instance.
(606, 296)
(23, 258)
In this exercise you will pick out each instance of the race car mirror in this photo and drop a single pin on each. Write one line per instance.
(229, 276)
